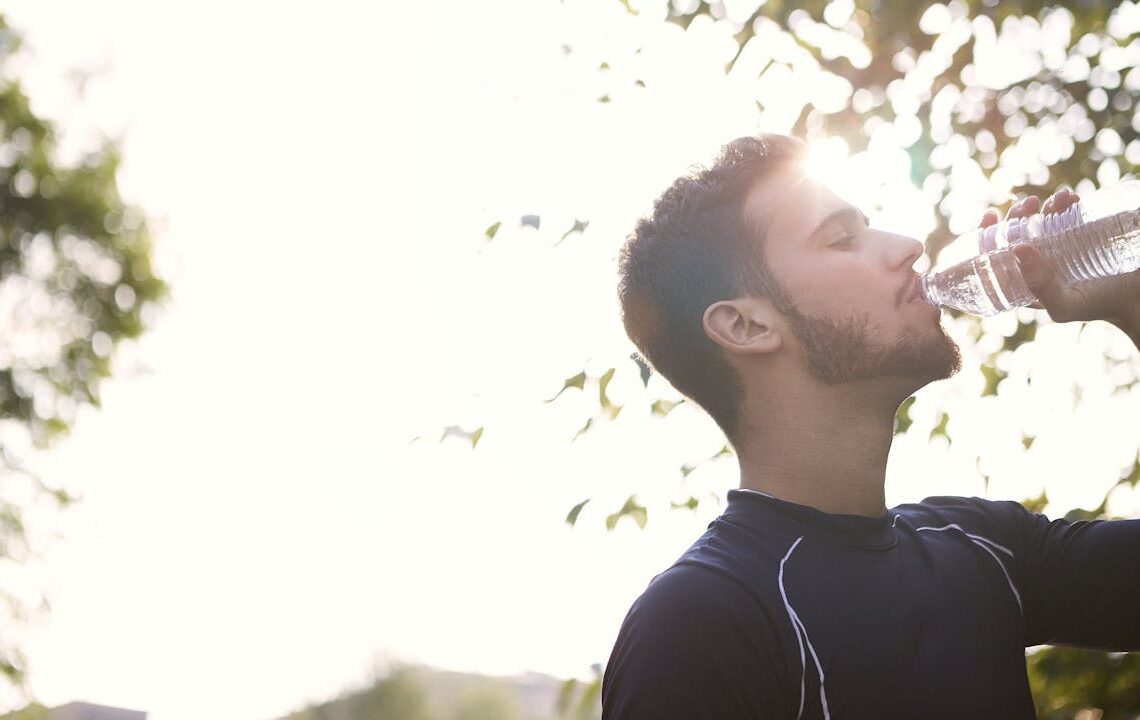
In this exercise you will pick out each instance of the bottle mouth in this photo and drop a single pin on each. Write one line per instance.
(926, 289)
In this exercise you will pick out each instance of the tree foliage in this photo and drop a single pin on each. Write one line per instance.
(76, 278)
(409, 693)
(399, 696)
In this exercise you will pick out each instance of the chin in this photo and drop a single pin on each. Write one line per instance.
(843, 350)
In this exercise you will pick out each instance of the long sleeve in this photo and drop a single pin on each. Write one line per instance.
(696, 645)
(1082, 582)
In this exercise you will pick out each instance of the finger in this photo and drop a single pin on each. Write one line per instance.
(1038, 275)
(1025, 207)
(1066, 198)
(987, 238)
(1059, 201)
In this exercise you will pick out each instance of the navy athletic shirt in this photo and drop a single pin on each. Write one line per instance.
(781, 611)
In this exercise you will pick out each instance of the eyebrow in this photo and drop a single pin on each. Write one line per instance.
(847, 212)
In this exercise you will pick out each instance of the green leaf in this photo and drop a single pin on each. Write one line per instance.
(1133, 476)
(691, 504)
(687, 469)
(572, 516)
(1077, 514)
(574, 381)
(661, 408)
(583, 430)
(992, 376)
(1023, 333)
(492, 230)
(903, 420)
(603, 383)
(578, 227)
(632, 510)
(939, 430)
(1027, 440)
(456, 431)
(1037, 504)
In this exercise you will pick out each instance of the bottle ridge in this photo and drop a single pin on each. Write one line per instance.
(1094, 238)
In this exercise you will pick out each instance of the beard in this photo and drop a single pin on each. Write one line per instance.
(841, 351)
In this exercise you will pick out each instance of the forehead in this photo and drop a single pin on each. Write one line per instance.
(787, 206)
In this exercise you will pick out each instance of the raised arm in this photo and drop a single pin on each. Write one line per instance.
(1113, 299)
(1080, 581)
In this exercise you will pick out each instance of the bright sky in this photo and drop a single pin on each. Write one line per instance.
(258, 529)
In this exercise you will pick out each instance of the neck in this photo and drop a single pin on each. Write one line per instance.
(821, 446)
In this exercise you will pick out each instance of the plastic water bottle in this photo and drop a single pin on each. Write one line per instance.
(1097, 237)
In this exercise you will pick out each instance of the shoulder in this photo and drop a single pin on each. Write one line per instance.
(1003, 525)
(693, 610)
(969, 507)
(968, 512)
(696, 634)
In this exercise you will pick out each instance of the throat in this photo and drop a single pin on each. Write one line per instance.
(824, 455)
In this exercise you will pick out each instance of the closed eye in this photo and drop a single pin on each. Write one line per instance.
(841, 228)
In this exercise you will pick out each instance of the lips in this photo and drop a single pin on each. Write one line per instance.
(908, 292)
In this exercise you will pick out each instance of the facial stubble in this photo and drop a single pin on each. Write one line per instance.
(842, 350)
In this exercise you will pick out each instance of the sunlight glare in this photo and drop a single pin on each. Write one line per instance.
(826, 162)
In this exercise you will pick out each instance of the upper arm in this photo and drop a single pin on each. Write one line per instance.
(1082, 582)
(695, 645)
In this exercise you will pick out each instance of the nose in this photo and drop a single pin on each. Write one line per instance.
(902, 252)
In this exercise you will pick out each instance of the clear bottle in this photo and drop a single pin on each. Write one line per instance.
(1094, 238)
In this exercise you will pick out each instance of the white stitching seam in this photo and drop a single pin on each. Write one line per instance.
(802, 637)
(959, 528)
(985, 543)
(795, 626)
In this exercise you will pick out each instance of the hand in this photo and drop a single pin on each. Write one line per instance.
(1115, 299)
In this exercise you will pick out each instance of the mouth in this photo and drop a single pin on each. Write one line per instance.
(909, 292)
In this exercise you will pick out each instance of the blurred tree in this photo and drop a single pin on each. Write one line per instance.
(491, 702)
(398, 696)
(75, 279)
(581, 701)
(1016, 97)
(419, 693)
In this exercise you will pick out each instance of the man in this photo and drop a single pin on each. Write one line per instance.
(768, 301)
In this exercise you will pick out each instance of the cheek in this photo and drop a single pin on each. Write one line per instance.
(832, 286)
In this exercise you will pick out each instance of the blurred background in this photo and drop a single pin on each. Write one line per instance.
(314, 399)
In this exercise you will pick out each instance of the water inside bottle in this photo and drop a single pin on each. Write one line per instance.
(984, 285)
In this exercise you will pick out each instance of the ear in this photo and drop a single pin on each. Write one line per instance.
(743, 326)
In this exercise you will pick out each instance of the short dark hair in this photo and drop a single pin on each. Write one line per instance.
(696, 248)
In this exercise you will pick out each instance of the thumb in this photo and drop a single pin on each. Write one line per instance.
(1039, 276)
